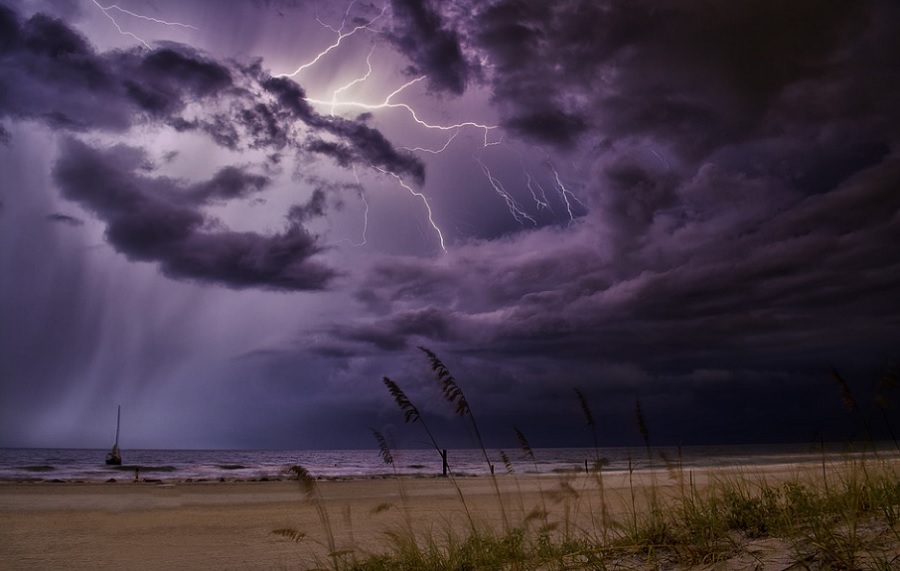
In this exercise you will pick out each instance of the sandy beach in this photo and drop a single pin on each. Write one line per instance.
(204, 525)
(233, 524)
(230, 525)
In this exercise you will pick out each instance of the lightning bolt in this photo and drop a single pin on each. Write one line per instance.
(335, 102)
(106, 12)
(434, 151)
(422, 198)
(353, 82)
(564, 192)
(541, 201)
(661, 158)
(388, 104)
(341, 36)
(362, 196)
(517, 213)
(365, 230)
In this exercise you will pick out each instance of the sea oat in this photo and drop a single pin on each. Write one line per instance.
(383, 449)
(641, 423)
(585, 408)
(410, 412)
(451, 391)
(844, 388)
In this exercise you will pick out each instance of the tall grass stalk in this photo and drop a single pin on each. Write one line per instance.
(836, 515)
(887, 384)
(852, 405)
(851, 525)
(589, 419)
(411, 414)
(387, 456)
(528, 451)
(313, 497)
(644, 433)
(598, 461)
(454, 395)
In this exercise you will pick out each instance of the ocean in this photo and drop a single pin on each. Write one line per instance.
(35, 464)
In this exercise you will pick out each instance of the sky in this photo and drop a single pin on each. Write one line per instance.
(235, 219)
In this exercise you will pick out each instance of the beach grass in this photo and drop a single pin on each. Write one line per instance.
(840, 515)
(735, 518)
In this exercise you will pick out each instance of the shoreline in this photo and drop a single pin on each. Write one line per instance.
(32, 465)
(157, 475)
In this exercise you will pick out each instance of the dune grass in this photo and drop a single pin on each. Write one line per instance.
(853, 524)
(844, 515)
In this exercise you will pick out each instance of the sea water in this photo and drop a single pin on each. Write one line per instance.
(18, 464)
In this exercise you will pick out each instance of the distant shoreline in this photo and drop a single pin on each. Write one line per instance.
(799, 464)
(155, 466)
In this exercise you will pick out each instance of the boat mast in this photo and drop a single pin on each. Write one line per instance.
(118, 419)
(114, 458)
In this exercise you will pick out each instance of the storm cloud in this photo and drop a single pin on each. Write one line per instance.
(433, 48)
(693, 75)
(52, 73)
(55, 76)
(692, 204)
(153, 219)
(741, 187)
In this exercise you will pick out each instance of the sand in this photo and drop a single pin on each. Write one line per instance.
(230, 525)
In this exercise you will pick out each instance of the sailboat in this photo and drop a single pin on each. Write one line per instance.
(114, 457)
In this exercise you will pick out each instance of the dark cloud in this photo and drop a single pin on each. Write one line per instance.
(727, 267)
(727, 228)
(289, 95)
(368, 146)
(341, 154)
(53, 74)
(9, 26)
(65, 219)
(227, 184)
(357, 142)
(420, 34)
(693, 74)
(401, 330)
(263, 125)
(178, 68)
(313, 208)
(551, 126)
(155, 220)
(736, 274)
